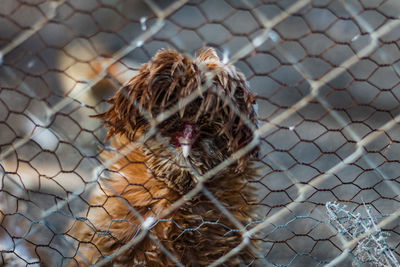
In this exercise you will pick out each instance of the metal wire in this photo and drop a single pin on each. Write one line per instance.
(326, 79)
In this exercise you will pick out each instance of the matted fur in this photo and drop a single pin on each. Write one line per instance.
(152, 177)
(170, 77)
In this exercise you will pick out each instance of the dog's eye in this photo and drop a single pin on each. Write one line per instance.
(208, 146)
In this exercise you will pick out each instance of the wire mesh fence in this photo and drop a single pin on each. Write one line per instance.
(325, 79)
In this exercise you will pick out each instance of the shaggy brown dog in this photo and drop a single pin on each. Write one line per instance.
(158, 172)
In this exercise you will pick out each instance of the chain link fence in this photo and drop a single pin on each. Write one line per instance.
(326, 79)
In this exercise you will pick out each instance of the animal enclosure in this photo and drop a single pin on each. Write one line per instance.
(326, 80)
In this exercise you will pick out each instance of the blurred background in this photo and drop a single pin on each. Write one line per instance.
(325, 74)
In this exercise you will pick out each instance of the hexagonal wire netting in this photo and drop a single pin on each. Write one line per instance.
(326, 79)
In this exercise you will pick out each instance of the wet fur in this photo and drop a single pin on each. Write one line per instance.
(151, 177)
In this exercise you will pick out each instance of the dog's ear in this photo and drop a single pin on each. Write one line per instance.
(151, 91)
(123, 116)
(233, 84)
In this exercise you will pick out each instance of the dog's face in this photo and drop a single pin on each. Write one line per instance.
(202, 132)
